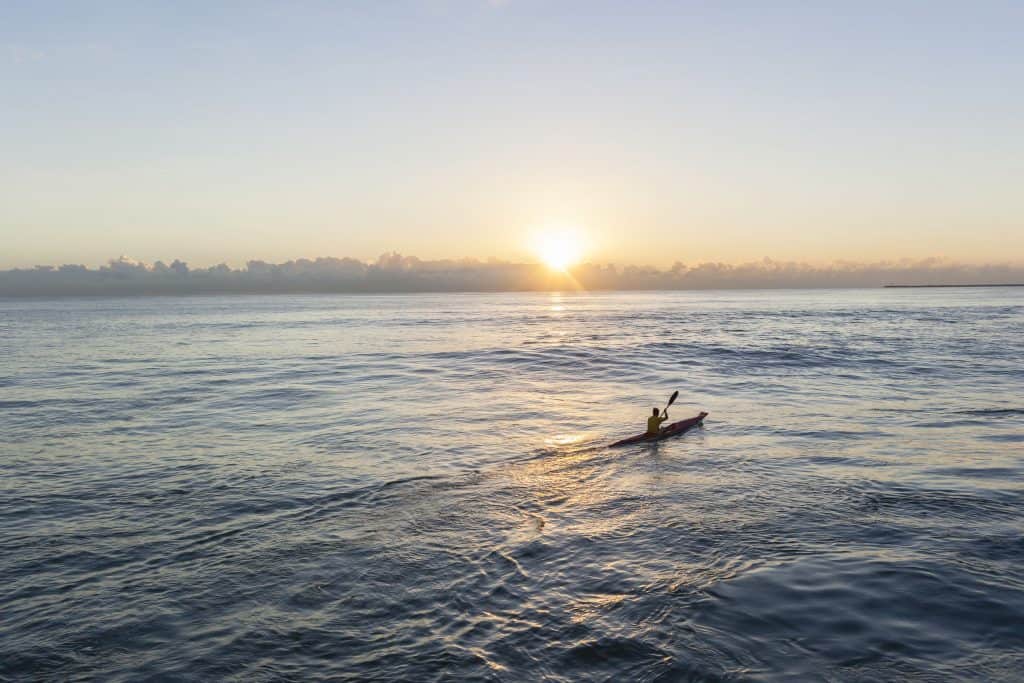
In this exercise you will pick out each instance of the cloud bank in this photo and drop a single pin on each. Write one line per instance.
(396, 273)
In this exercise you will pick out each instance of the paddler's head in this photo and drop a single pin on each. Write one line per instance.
(655, 413)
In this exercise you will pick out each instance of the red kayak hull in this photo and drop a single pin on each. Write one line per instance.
(674, 429)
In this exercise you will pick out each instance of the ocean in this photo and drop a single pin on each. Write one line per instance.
(419, 488)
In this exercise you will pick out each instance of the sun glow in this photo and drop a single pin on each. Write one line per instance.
(559, 248)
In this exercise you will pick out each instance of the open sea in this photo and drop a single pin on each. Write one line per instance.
(418, 488)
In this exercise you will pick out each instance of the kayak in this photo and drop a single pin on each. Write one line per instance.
(674, 429)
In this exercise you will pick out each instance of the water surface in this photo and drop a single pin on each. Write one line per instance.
(417, 487)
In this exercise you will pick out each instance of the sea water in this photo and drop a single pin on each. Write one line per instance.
(418, 487)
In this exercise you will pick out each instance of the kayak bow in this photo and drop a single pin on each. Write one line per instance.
(673, 429)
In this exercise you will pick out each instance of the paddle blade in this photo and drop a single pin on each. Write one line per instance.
(672, 400)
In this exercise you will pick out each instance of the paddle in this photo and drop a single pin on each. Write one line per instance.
(675, 395)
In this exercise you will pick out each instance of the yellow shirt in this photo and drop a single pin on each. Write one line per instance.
(654, 424)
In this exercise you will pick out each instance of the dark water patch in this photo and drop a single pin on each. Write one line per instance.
(846, 609)
(1003, 438)
(278, 397)
(1004, 473)
(995, 412)
(951, 424)
(20, 404)
(942, 505)
(1006, 547)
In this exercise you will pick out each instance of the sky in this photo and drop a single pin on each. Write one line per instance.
(656, 131)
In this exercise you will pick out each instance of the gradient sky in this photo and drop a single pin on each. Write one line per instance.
(664, 130)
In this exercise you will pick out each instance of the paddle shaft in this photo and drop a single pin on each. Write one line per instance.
(672, 400)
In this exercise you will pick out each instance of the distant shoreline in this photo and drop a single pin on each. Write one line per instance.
(922, 286)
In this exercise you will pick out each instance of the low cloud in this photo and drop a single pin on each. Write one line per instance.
(396, 273)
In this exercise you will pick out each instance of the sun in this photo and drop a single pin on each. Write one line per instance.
(559, 249)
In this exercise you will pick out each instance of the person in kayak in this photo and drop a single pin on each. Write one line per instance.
(654, 422)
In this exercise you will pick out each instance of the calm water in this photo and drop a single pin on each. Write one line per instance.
(416, 487)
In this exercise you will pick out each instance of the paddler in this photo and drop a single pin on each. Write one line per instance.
(655, 420)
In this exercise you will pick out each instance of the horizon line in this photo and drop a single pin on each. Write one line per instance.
(395, 273)
(392, 255)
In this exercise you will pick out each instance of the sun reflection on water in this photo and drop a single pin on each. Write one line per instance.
(562, 440)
